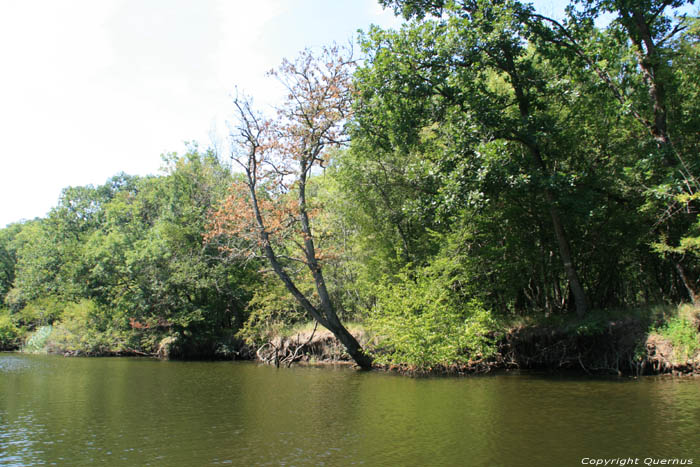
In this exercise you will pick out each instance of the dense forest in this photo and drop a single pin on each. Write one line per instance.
(476, 175)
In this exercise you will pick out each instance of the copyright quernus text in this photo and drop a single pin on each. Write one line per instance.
(622, 461)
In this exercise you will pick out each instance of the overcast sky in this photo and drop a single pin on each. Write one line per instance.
(90, 88)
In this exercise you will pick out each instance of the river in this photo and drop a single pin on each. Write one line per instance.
(135, 412)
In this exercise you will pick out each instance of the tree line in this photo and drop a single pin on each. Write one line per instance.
(481, 164)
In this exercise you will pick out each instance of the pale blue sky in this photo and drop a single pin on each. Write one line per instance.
(92, 88)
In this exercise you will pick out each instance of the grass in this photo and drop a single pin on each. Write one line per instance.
(308, 327)
(681, 331)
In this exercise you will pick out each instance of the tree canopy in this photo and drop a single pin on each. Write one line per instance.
(479, 165)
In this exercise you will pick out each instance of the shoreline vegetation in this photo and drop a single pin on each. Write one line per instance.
(484, 187)
(659, 340)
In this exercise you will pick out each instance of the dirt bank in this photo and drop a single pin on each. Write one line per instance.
(622, 347)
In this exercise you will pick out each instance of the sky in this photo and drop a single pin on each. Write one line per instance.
(89, 89)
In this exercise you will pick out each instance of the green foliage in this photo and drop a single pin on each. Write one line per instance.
(42, 311)
(8, 257)
(683, 335)
(424, 318)
(689, 242)
(272, 309)
(10, 333)
(473, 126)
(38, 264)
(130, 255)
(477, 121)
(86, 329)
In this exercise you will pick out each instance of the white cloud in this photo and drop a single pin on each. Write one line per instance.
(89, 89)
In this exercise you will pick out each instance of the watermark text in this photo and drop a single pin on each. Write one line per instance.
(622, 461)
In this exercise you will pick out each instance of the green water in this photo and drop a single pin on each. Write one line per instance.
(118, 411)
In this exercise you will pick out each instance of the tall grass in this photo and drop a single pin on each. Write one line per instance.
(681, 331)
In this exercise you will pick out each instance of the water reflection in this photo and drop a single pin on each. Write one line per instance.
(143, 412)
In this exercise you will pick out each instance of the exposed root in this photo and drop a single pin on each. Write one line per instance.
(317, 345)
(624, 347)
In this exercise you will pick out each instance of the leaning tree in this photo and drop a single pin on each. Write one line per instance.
(271, 210)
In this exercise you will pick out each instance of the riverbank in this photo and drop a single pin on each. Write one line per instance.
(644, 341)
(639, 342)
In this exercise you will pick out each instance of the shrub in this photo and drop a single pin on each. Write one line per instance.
(271, 310)
(41, 312)
(10, 333)
(85, 329)
(683, 335)
(426, 318)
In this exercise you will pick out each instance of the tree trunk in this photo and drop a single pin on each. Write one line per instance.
(565, 253)
(329, 318)
(353, 347)
(688, 286)
(333, 324)
(530, 141)
(577, 290)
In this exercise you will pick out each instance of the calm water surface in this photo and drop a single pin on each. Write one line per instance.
(118, 411)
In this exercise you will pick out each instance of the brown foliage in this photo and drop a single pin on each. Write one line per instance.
(279, 155)
(278, 158)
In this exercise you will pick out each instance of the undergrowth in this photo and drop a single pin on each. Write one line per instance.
(682, 333)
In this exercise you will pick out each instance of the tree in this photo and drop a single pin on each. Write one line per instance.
(272, 209)
(8, 257)
(148, 265)
(654, 88)
(484, 85)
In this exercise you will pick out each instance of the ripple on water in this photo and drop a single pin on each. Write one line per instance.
(143, 412)
(12, 363)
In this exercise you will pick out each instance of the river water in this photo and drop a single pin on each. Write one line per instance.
(134, 412)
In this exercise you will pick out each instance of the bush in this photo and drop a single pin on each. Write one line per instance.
(10, 333)
(683, 335)
(85, 329)
(426, 318)
(271, 310)
(41, 312)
